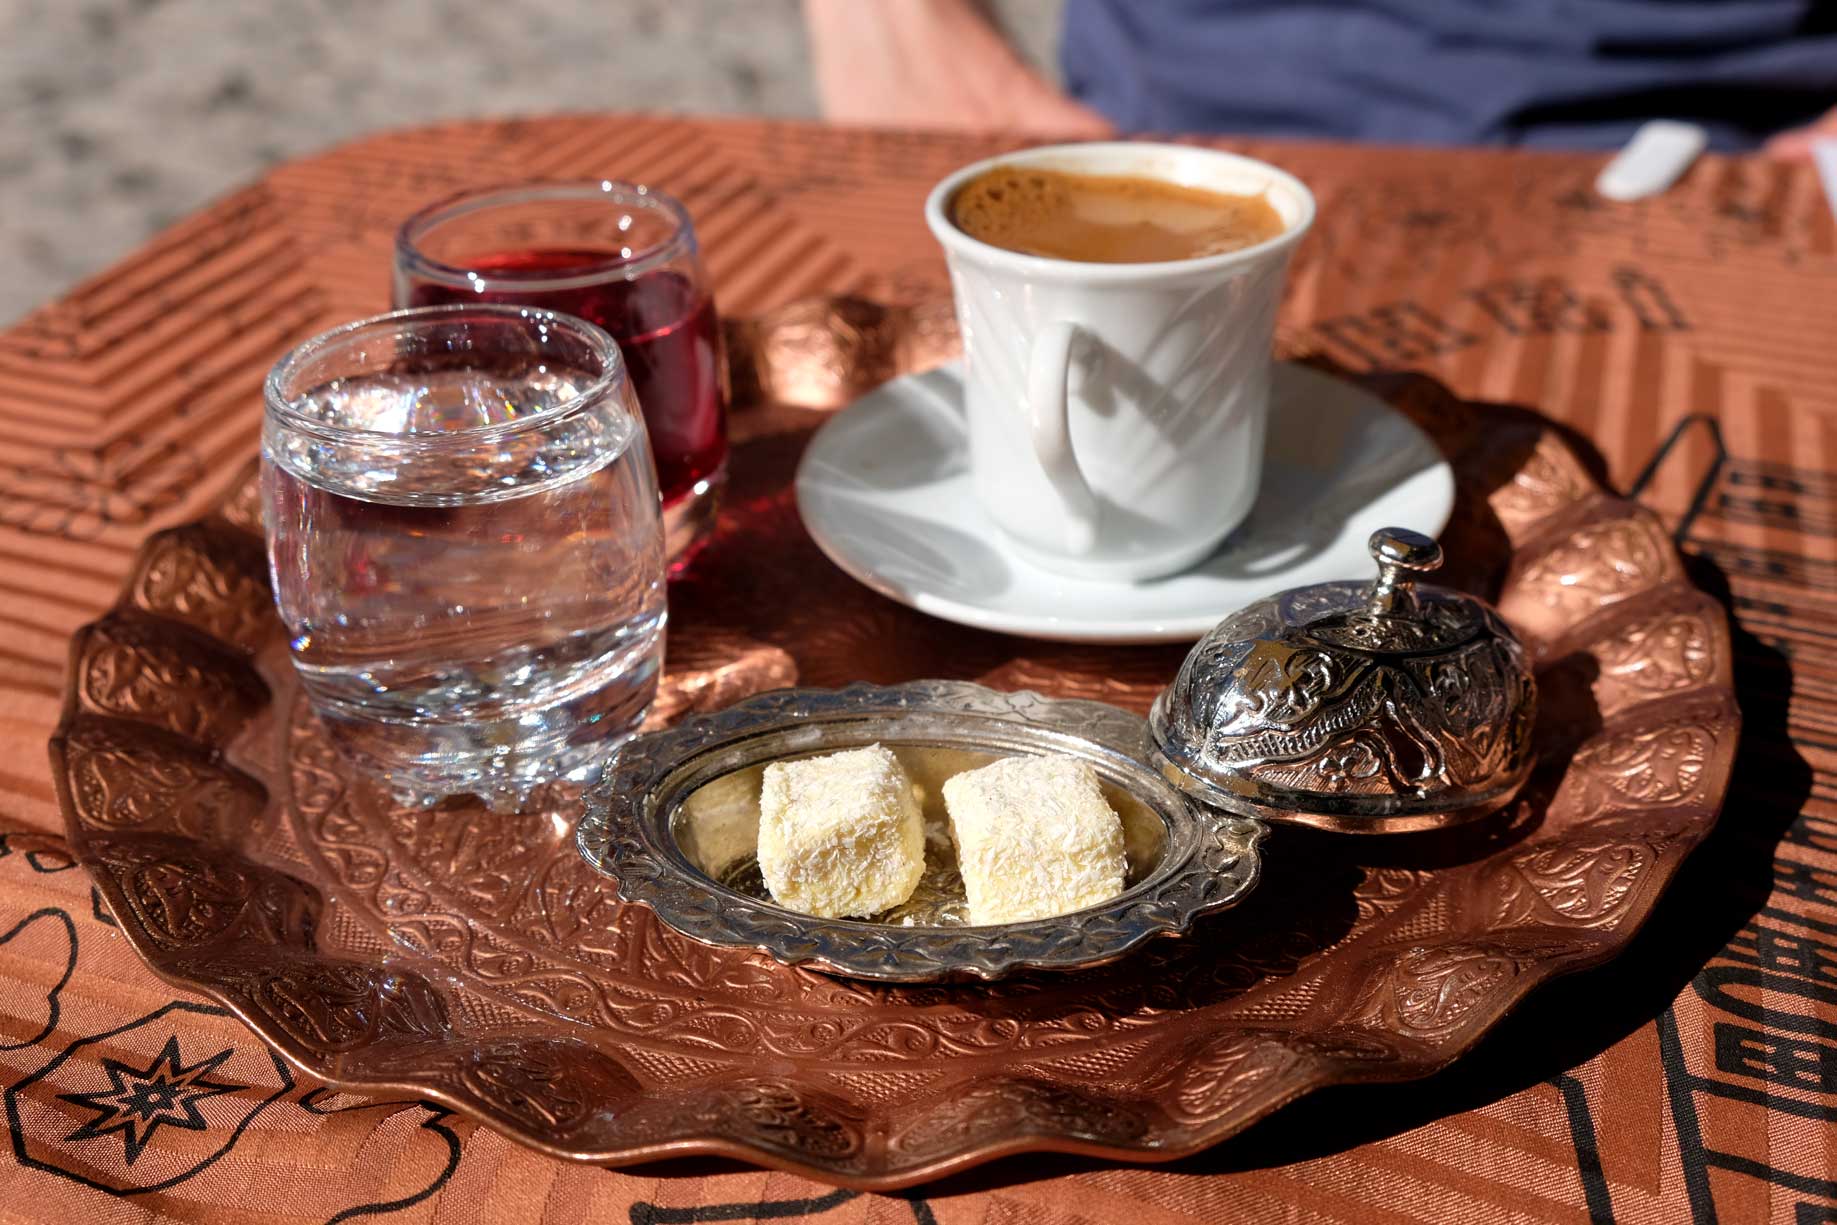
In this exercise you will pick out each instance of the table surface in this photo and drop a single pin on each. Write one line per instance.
(1692, 339)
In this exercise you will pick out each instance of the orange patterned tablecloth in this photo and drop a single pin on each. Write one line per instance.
(1692, 339)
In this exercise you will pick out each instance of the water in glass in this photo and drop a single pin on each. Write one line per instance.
(468, 560)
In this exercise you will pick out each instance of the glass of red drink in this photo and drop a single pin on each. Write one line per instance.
(620, 255)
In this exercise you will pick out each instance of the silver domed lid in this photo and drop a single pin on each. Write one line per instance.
(1359, 707)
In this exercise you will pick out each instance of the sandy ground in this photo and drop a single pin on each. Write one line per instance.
(119, 116)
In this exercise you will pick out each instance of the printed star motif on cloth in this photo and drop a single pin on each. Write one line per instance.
(140, 1102)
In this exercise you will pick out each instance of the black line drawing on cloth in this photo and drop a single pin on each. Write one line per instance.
(435, 1122)
(57, 988)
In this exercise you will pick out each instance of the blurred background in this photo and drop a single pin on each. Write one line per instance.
(118, 117)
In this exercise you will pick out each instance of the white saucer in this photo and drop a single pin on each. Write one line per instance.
(884, 488)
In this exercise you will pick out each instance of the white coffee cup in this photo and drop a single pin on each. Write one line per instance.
(1116, 412)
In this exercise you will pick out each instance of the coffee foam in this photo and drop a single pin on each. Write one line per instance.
(1009, 201)
(1107, 218)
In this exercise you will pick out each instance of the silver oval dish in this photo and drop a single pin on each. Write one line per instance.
(672, 837)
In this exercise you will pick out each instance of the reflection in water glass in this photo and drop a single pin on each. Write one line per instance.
(465, 544)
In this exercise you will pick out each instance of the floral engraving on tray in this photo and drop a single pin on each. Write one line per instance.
(1428, 991)
(182, 894)
(1549, 479)
(785, 1118)
(1383, 890)
(1584, 882)
(242, 509)
(1597, 564)
(1206, 1082)
(330, 1005)
(1169, 1050)
(127, 776)
(1670, 651)
(210, 578)
(818, 353)
(552, 1085)
(1007, 1109)
(1662, 764)
(159, 673)
(788, 1117)
(1202, 1084)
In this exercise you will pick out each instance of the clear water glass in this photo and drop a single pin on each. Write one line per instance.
(466, 547)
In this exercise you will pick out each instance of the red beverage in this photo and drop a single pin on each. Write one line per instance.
(620, 255)
(663, 322)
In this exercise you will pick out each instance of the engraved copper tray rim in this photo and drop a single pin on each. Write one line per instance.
(162, 685)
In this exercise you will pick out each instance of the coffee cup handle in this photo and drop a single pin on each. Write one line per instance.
(1049, 369)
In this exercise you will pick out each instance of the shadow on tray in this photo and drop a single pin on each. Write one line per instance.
(1560, 1025)
(1563, 1024)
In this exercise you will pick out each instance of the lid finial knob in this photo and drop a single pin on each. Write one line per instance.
(1401, 555)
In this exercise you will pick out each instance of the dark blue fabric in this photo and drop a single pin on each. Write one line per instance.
(1554, 73)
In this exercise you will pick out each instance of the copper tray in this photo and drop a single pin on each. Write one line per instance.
(476, 960)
